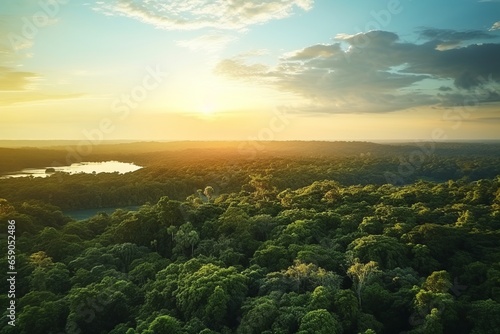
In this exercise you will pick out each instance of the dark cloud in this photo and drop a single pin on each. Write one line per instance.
(376, 71)
(374, 38)
(451, 39)
(453, 35)
(445, 89)
(468, 66)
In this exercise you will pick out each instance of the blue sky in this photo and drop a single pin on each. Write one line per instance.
(341, 70)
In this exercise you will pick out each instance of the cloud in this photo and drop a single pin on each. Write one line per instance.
(17, 85)
(370, 38)
(378, 72)
(451, 39)
(495, 26)
(483, 120)
(13, 98)
(445, 89)
(211, 42)
(315, 51)
(11, 80)
(453, 35)
(198, 14)
(236, 68)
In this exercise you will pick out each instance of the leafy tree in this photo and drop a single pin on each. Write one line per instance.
(319, 322)
(197, 289)
(101, 306)
(186, 237)
(346, 306)
(170, 212)
(371, 225)
(217, 305)
(49, 316)
(422, 259)
(263, 185)
(433, 304)
(438, 281)
(322, 298)
(386, 251)
(259, 316)
(165, 324)
(484, 315)
(272, 257)
(208, 192)
(300, 277)
(172, 229)
(361, 273)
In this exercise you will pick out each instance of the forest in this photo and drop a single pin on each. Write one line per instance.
(257, 238)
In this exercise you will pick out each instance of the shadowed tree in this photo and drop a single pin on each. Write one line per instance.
(259, 316)
(484, 315)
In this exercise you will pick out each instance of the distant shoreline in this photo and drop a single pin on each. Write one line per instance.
(47, 143)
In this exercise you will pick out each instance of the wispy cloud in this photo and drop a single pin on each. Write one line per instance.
(210, 42)
(488, 120)
(17, 84)
(12, 80)
(13, 98)
(197, 14)
(377, 72)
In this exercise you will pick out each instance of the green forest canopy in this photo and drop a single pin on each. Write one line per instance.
(280, 243)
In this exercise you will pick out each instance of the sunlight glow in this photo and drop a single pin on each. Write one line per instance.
(207, 108)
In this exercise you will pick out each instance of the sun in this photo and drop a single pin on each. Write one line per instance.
(207, 109)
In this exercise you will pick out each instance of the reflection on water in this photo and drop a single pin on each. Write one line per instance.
(82, 167)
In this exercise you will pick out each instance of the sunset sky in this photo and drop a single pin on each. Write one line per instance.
(238, 70)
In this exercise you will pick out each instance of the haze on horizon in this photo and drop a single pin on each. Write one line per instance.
(240, 70)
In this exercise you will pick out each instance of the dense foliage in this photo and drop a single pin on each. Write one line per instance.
(303, 249)
(178, 170)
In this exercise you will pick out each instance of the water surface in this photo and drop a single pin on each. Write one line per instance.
(76, 168)
(88, 213)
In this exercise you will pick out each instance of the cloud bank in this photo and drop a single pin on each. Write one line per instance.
(377, 71)
(198, 14)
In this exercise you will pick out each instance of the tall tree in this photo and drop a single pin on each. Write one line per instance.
(361, 273)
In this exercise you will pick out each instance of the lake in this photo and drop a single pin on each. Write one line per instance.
(76, 168)
(88, 213)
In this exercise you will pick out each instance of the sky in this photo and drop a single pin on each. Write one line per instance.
(250, 70)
